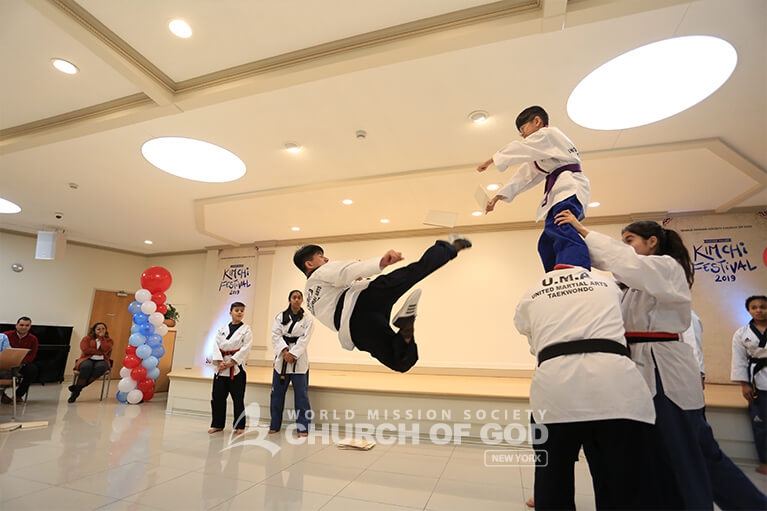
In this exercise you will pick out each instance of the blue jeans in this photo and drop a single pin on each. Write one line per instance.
(301, 394)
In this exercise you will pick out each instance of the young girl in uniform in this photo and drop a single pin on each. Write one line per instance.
(654, 267)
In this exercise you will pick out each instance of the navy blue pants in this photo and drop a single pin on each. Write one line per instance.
(758, 413)
(561, 244)
(732, 489)
(369, 323)
(224, 386)
(301, 401)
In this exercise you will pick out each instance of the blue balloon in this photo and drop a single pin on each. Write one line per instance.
(134, 307)
(146, 329)
(122, 396)
(153, 373)
(134, 328)
(158, 352)
(150, 362)
(140, 318)
(154, 340)
(136, 340)
(143, 351)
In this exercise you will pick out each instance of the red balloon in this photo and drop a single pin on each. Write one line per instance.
(159, 298)
(138, 373)
(145, 385)
(162, 308)
(130, 350)
(156, 279)
(131, 361)
(148, 395)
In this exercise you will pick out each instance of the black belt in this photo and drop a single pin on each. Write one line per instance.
(635, 337)
(582, 346)
(339, 310)
(288, 341)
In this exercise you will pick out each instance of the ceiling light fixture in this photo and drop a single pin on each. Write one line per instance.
(384, 220)
(479, 117)
(347, 202)
(180, 28)
(8, 207)
(476, 213)
(65, 66)
(295, 228)
(652, 82)
(193, 159)
(147, 242)
(292, 147)
(493, 187)
(594, 204)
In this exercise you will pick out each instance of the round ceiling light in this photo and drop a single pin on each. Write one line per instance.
(65, 66)
(8, 207)
(479, 117)
(193, 159)
(652, 82)
(180, 28)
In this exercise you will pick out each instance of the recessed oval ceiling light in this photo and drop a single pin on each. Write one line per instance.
(594, 204)
(493, 187)
(148, 242)
(384, 220)
(292, 147)
(652, 82)
(479, 117)
(8, 207)
(180, 28)
(193, 159)
(476, 213)
(65, 66)
(347, 202)
(295, 228)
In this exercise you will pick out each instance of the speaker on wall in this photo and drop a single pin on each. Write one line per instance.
(49, 245)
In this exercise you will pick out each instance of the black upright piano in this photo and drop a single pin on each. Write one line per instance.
(52, 352)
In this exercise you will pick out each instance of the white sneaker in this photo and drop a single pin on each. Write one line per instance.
(409, 309)
(463, 241)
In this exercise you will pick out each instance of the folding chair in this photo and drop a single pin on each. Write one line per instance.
(106, 379)
(10, 365)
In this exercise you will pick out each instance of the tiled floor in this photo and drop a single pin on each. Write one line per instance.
(121, 457)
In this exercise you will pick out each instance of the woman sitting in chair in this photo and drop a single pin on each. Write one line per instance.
(96, 347)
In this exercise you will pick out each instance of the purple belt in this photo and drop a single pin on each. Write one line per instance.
(552, 176)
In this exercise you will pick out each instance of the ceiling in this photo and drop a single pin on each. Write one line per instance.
(256, 75)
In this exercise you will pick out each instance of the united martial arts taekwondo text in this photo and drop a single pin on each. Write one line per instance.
(567, 285)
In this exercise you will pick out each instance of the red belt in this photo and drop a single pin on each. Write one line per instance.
(635, 337)
(231, 369)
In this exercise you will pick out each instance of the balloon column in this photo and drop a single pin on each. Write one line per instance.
(145, 348)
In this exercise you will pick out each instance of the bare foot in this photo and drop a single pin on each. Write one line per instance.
(214, 430)
(762, 469)
(530, 502)
(273, 431)
(240, 431)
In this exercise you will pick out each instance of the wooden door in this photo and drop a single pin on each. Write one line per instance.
(112, 309)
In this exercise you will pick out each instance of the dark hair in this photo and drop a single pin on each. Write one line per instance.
(236, 304)
(23, 318)
(286, 312)
(305, 254)
(529, 113)
(92, 331)
(669, 243)
(755, 297)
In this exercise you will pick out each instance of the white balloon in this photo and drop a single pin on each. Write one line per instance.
(143, 295)
(126, 384)
(124, 372)
(135, 396)
(148, 307)
(161, 329)
(156, 318)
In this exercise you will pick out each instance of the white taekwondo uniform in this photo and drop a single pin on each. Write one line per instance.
(303, 331)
